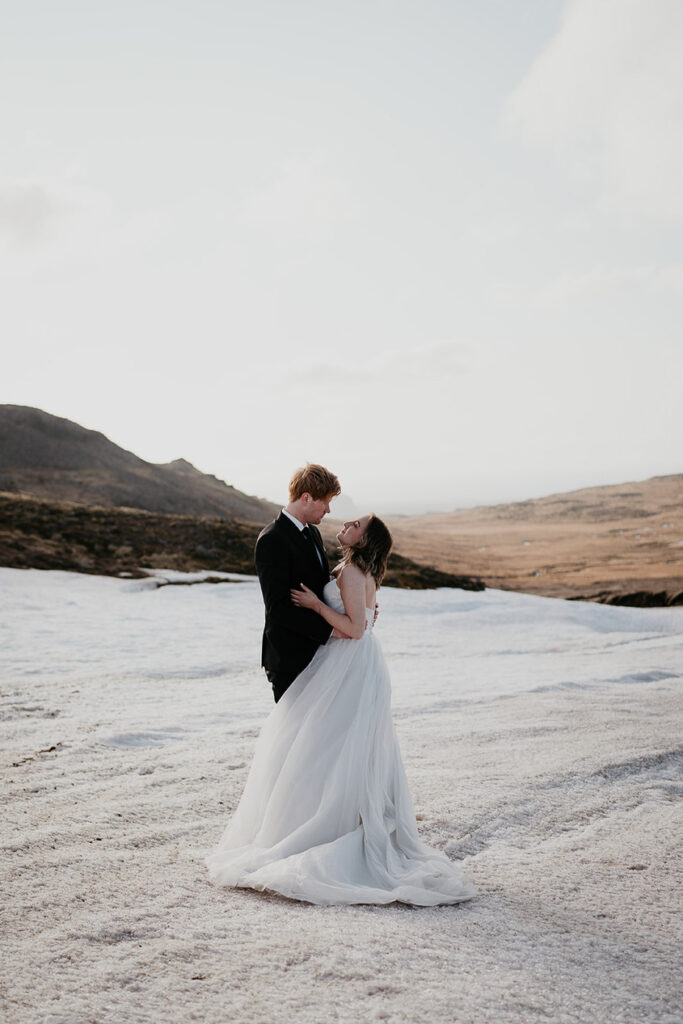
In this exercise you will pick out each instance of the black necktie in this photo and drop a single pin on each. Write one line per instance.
(309, 537)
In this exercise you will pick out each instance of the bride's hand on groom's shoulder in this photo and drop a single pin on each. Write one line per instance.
(305, 598)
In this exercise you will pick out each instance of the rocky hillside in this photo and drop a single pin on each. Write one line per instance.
(112, 541)
(53, 458)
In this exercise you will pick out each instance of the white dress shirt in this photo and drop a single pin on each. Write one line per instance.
(299, 525)
(297, 522)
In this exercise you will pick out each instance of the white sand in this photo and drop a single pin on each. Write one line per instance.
(539, 737)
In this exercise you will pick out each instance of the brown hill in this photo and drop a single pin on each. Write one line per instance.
(53, 458)
(621, 543)
(40, 534)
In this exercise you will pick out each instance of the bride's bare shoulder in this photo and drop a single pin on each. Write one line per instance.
(352, 580)
(350, 574)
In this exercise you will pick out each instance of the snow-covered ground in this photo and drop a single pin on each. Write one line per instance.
(540, 740)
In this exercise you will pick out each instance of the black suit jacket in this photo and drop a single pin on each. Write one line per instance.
(284, 559)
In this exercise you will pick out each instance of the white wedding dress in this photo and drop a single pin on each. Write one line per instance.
(326, 815)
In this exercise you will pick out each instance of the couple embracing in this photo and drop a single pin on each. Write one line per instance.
(326, 814)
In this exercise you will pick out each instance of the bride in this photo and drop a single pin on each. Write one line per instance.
(326, 815)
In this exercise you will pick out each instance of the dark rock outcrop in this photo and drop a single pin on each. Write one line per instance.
(113, 541)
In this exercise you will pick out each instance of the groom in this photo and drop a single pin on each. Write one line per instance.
(290, 552)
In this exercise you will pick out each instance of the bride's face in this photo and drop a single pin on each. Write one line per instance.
(352, 531)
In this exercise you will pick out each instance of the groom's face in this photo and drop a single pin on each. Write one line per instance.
(315, 509)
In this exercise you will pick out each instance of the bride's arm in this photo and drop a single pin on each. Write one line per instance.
(352, 587)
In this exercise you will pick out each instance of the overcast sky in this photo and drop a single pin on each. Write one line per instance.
(433, 245)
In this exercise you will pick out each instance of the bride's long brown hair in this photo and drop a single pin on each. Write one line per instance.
(371, 552)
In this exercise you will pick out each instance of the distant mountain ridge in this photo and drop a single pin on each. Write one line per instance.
(53, 458)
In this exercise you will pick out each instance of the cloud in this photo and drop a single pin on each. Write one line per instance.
(605, 98)
(438, 362)
(29, 211)
(441, 359)
(301, 196)
(599, 281)
(329, 375)
(34, 212)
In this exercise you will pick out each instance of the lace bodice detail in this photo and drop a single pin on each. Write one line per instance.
(332, 597)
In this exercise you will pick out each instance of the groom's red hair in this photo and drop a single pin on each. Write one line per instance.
(314, 480)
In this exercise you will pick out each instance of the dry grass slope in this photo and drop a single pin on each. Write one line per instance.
(621, 543)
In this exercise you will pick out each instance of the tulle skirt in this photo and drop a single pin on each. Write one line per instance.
(326, 815)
